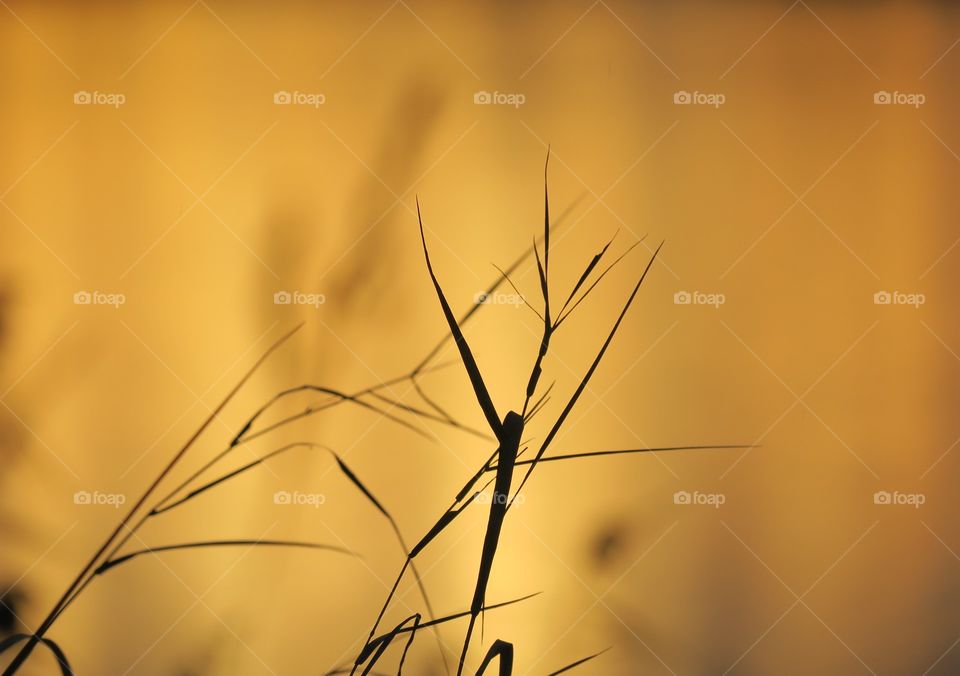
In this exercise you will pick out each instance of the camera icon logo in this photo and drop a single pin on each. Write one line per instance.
(882, 98)
(682, 498)
(682, 98)
(882, 498)
(82, 298)
(282, 98)
(682, 298)
(82, 498)
(282, 498)
(282, 298)
(882, 298)
(82, 98)
(482, 98)
(481, 298)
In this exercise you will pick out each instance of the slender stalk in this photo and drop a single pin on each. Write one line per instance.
(24, 653)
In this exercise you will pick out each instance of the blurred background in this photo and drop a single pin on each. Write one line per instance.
(171, 166)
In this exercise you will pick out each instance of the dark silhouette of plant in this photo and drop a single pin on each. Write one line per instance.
(506, 459)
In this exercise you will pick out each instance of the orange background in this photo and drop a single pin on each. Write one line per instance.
(198, 198)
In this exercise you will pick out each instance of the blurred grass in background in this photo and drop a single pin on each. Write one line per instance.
(794, 200)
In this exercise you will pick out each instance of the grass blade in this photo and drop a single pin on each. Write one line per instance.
(512, 433)
(462, 614)
(522, 297)
(107, 565)
(655, 449)
(342, 396)
(504, 651)
(586, 378)
(396, 529)
(586, 273)
(479, 387)
(123, 526)
(597, 281)
(520, 260)
(574, 665)
(62, 662)
(161, 508)
(382, 646)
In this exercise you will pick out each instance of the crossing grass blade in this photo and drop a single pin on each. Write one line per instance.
(382, 646)
(465, 613)
(626, 451)
(586, 379)
(519, 293)
(382, 401)
(343, 396)
(62, 661)
(476, 307)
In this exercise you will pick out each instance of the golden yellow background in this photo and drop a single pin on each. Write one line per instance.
(797, 199)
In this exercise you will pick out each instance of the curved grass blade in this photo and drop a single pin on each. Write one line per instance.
(504, 651)
(161, 508)
(522, 297)
(244, 435)
(385, 643)
(462, 614)
(112, 563)
(342, 396)
(574, 665)
(347, 472)
(396, 529)
(124, 526)
(445, 520)
(443, 417)
(62, 662)
(469, 363)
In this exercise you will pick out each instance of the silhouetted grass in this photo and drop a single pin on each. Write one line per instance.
(506, 431)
